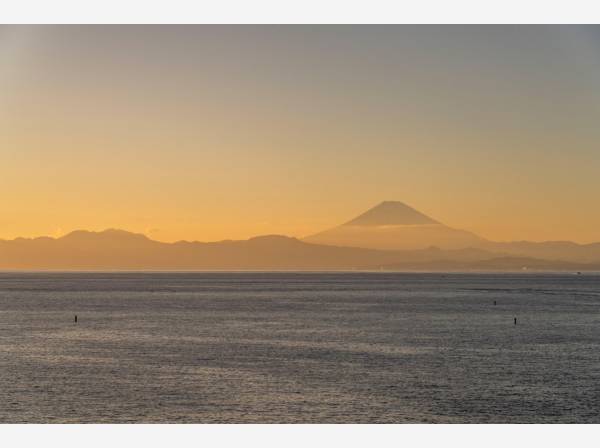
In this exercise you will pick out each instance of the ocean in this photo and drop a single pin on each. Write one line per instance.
(299, 348)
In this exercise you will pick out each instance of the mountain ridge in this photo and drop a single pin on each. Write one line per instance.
(132, 251)
(391, 213)
(393, 225)
(120, 249)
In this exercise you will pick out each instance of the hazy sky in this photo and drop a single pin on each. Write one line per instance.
(212, 132)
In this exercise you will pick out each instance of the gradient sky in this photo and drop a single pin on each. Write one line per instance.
(213, 132)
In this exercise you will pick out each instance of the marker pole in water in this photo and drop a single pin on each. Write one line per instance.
(515, 321)
(75, 318)
(494, 302)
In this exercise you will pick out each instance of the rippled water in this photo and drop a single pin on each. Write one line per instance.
(299, 347)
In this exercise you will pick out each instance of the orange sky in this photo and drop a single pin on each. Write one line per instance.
(212, 133)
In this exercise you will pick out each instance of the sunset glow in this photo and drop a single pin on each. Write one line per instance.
(211, 133)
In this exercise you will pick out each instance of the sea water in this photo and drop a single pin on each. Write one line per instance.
(299, 347)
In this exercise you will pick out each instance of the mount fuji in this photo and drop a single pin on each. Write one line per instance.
(393, 225)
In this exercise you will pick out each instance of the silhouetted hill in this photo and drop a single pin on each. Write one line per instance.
(118, 249)
(393, 225)
(112, 249)
(391, 235)
(391, 213)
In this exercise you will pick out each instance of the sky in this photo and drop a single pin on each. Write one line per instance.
(222, 132)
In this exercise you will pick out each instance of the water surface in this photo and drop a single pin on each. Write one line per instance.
(299, 347)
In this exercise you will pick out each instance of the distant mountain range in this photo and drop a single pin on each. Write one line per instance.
(390, 236)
